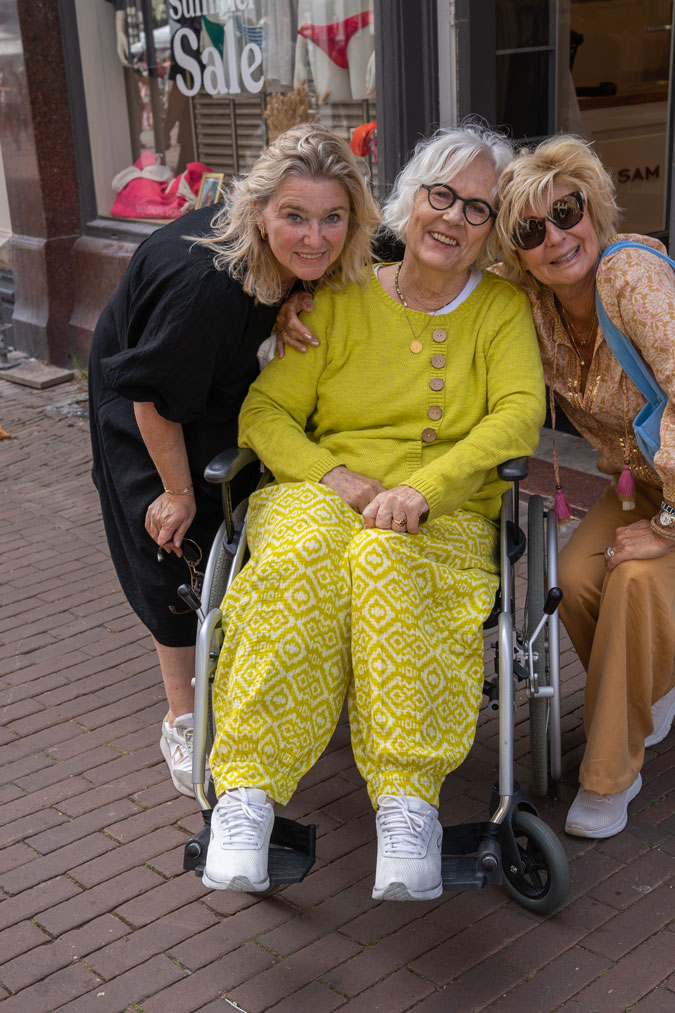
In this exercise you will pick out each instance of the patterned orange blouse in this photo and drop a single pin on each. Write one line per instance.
(638, 292)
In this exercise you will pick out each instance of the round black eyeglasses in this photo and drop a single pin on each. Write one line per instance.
(441, 197)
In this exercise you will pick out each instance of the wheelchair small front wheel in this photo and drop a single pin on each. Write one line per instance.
(536, 594)
(545, 880)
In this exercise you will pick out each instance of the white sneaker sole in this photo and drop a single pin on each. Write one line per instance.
(399, 891)
(577, 830)
(664, 731)
(240, 884)
(184, 789)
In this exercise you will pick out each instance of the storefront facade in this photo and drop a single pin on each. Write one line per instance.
(118, 114)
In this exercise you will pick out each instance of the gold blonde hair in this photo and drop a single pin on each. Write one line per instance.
(529, 181)
(307, 150)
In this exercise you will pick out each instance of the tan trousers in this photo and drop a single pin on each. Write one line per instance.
(622, 625)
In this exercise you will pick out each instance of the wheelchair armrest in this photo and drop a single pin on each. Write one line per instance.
(513, 470)
(227, 464)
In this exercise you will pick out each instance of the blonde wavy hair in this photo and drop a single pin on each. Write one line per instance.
(439, 158)
(307, 150)
(529, 181)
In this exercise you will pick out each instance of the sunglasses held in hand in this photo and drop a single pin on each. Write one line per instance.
(192, 555)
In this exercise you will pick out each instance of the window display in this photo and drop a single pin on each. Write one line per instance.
(179, 88)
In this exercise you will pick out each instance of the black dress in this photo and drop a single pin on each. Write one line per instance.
(183, 335)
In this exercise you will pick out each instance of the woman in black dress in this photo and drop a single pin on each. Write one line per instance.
(171, 361)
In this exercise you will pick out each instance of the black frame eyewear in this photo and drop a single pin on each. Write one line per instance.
(442, 197)
(192, 556)
(565, 213)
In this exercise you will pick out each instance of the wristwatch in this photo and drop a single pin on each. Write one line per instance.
(667, 515)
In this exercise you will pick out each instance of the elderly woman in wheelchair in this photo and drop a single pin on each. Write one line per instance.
(373, 557)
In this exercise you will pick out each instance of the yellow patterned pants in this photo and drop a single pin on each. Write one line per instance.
(326, 609)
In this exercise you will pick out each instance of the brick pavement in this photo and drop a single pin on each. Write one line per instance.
(95, 912)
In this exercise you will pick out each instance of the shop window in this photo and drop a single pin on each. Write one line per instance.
(619, 60)
(178, 88)
(525, 67)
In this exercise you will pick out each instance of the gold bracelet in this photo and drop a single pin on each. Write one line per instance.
(658, 529)
(178, 492)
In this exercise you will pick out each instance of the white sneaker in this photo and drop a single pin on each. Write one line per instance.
(594, 815)
(663, 713)
(409, 838)
(241, 826)
(176, 746)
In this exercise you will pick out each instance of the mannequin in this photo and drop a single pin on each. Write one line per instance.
(335, 45)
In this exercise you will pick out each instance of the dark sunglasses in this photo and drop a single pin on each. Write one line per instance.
(192, 555)
(441, 197)
(565, 213)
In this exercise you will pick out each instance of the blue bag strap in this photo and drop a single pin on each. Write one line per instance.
(622, 347)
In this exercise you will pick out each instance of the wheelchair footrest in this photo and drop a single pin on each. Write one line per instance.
(462, 870)
(291, 856)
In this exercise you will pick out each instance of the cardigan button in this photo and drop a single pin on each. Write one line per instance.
(428, 435)
(438, 361)
(437, 383)
(434, 413)
(439, 335)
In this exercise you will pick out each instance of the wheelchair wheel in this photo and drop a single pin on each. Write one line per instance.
(545, 880)
(536, 594)
(216, 590)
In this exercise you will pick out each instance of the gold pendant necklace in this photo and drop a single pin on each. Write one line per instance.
(568, 327)
(415, 345)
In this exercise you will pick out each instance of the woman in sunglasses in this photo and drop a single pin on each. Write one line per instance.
(172, 358)
(558, 213)
(373, 560)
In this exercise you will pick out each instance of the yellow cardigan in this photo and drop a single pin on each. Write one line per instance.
(363, 399)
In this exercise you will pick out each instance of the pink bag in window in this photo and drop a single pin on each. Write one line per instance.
(149, 189)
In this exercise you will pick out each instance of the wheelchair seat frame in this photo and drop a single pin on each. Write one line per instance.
(514, 846)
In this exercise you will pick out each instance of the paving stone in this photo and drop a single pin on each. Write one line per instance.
(54, 863)
(53, 955)
(559, 980)
(96, 901)
(252, 923)
(220, 978)
(400, 991)
(19, 939)
(52, 991)
(635, 974)
(626, 886)
(161, 936)
(32, 903)
(315, 997)
(126, 856)
(281, 980)
(131, 988)
(72, 830)
(440, 964)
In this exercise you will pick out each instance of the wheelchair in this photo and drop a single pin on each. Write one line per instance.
(513, 847)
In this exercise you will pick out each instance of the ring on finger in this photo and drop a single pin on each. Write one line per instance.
(609, 551)
(401, 524)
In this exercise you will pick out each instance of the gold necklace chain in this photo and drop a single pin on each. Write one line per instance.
(416, 345)
(568, 327)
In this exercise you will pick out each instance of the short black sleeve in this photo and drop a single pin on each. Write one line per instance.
(179, 323)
